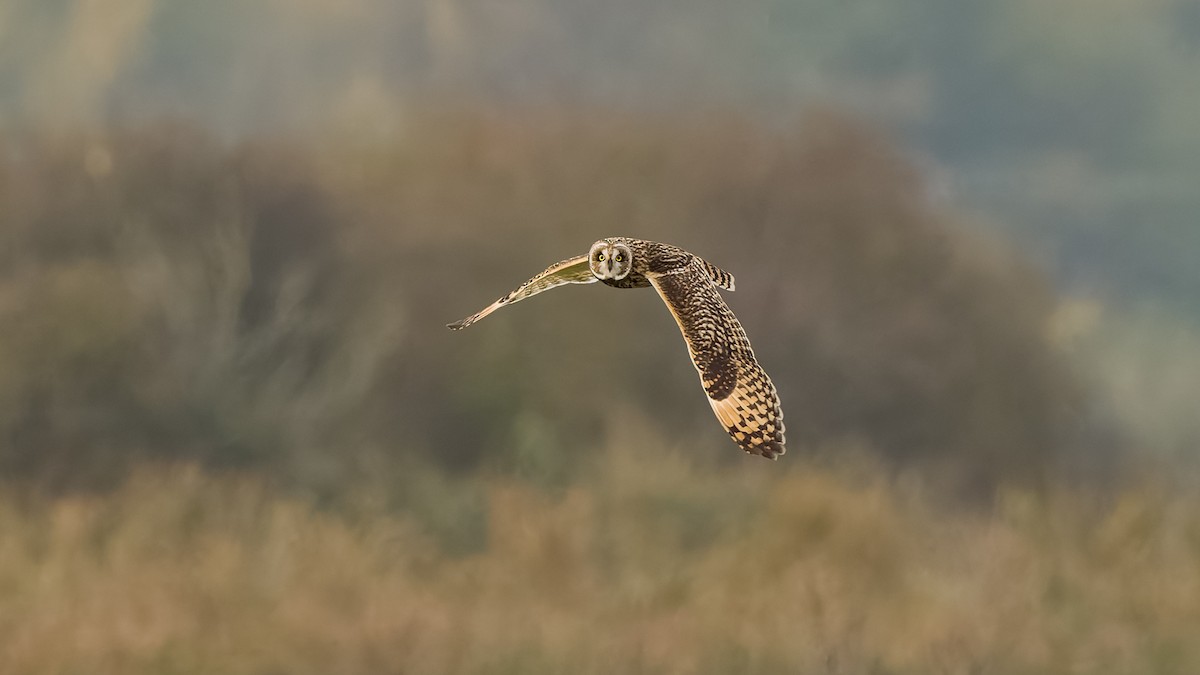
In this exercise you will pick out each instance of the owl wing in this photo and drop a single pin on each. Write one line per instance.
(572, 271)
(739, 390)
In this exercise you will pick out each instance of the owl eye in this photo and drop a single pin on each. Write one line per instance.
(600, 257)
(620, 257)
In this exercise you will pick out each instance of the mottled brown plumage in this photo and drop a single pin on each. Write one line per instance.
(739, 390)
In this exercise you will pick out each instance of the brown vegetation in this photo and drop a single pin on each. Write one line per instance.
(650, 566)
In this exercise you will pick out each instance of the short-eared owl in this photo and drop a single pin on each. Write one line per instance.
(738, 389)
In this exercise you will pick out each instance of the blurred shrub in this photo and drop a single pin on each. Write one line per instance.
(280, 306)
(165, 297)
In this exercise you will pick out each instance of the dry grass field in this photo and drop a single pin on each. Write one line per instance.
(652, 565)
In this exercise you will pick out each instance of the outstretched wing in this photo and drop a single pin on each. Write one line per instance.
(739, 391)
(572, 271)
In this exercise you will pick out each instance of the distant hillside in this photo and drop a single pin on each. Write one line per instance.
(282, 305)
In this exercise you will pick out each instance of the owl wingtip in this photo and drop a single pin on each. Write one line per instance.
(771, 451)
(457, 325)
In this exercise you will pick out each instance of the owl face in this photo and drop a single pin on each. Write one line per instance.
(609, 260)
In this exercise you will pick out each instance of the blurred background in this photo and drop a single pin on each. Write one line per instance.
(235, 435)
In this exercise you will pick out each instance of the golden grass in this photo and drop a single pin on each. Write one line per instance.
(651, 565)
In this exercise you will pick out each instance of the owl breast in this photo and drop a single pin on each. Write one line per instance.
(632, 280)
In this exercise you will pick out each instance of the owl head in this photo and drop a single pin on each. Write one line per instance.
(610, 259)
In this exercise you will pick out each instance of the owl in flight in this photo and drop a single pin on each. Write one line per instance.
(738, 389)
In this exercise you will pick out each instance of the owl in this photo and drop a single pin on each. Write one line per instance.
(738, 389)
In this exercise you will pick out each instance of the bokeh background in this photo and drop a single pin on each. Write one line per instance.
(236, 437)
